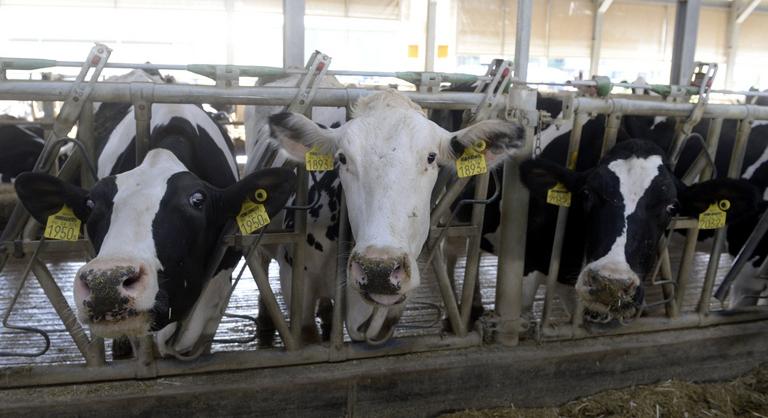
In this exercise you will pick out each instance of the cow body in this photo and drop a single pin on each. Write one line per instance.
(155, 227)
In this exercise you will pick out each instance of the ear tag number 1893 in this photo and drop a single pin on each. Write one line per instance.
(318, 161)
(714, 216)
(559, 196)
(62, 225)
(472, 161)
(253, 215)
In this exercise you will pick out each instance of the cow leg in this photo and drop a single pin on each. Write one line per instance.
(325, 313)
(531, 283)
(747, 287)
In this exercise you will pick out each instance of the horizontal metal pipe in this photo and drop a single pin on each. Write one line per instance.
(653, 108)
(187, 93)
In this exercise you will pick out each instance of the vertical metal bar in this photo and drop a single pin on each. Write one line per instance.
(713, 139)
(429, 50)
(684, 45)
(739, 148)
(562, 215)
(339, 300)
(446, 291)
(142, 111)
(686, 264)
(146, 366)
(85, 134)
(270, 304)
(473, 251)
(667, 288)
(611, 132)
(59, 303)
(299, 251)
(597, 34)
(293, 33)
(712, 265)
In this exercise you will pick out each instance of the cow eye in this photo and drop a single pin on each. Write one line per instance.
(196, 200)
(342, 158)
(672, 208)
(431, 157)
(90, 204)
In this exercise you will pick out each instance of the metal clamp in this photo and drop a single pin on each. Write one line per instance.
(316, 68)
(496, 80)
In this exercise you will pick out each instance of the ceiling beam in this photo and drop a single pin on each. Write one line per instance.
(746, 11)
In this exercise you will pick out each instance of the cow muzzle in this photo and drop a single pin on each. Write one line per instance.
(381, 276)
(115, 297)
(616, 295)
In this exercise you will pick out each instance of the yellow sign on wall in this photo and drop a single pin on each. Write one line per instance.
(442, 51)
(413, 51)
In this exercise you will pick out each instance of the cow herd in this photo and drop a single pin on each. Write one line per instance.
(156, 226)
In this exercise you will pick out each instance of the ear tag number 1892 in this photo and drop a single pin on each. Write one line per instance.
(253, 215)
(714, 216)
(559, 196)
(62, 225)
(472, 161)
(318, 161)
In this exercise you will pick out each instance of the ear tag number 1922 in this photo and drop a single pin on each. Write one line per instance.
(559, 196)
(253, 215)
(714, 216)
(318, 161)
(62, 225)
(472, 161)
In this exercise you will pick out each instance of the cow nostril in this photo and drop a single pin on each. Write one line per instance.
(130, 281)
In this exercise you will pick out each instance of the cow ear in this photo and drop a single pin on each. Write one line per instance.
(540, 175)
(497, 139)
(43, 195)
(296, 134)
(278, 183)
(742, 196)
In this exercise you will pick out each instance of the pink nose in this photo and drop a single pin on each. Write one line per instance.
(379, 275)
(107, 292)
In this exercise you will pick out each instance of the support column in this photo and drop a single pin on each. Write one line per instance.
(684, 44)
(429, 53)
(739, 12)
(509, 286)
(293, 33)
(601, 6)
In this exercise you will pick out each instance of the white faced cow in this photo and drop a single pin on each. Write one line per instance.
(388, 156)
(156, 226)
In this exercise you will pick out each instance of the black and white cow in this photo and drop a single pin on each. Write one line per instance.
(20, 145)
(387, 158)
(155, 226)
(620, 209)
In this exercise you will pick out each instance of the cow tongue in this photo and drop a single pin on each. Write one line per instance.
(375, 335)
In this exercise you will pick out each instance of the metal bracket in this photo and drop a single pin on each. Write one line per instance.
(227, 76)
(316, 68)
(430, 82)
(497, 78)
(521, 106)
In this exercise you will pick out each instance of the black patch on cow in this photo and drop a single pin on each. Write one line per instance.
(335, 125)
(21, 146)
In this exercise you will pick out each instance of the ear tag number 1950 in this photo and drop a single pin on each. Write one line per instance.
(318, 161)
(253, 215)
(62, 225)
(714, 216)
(559, 196)
(472, 161)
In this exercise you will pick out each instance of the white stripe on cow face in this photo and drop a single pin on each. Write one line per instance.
(162, 113)
(635, 176)
(139, 193)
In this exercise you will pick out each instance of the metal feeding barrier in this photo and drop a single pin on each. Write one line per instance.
(493, 97)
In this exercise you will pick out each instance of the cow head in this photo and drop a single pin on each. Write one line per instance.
(154, 229)
(626, 204)
(388, 156)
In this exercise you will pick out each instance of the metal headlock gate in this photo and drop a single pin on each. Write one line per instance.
(518, 103)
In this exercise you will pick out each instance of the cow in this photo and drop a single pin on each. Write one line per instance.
(155, 227)
(20, 145)
(388, 143)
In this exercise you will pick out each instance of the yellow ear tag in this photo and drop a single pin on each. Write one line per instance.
(317, 161)
(472, 161)
(559, 196)
(714, 216)
(63, 225)
(252, 215)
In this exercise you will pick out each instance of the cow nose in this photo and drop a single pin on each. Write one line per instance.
(380, 278)
(609, 290)
(104, 290)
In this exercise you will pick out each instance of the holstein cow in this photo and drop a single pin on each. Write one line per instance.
(388, 156)
(20, 145)
(620, 209)
(155, 226)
